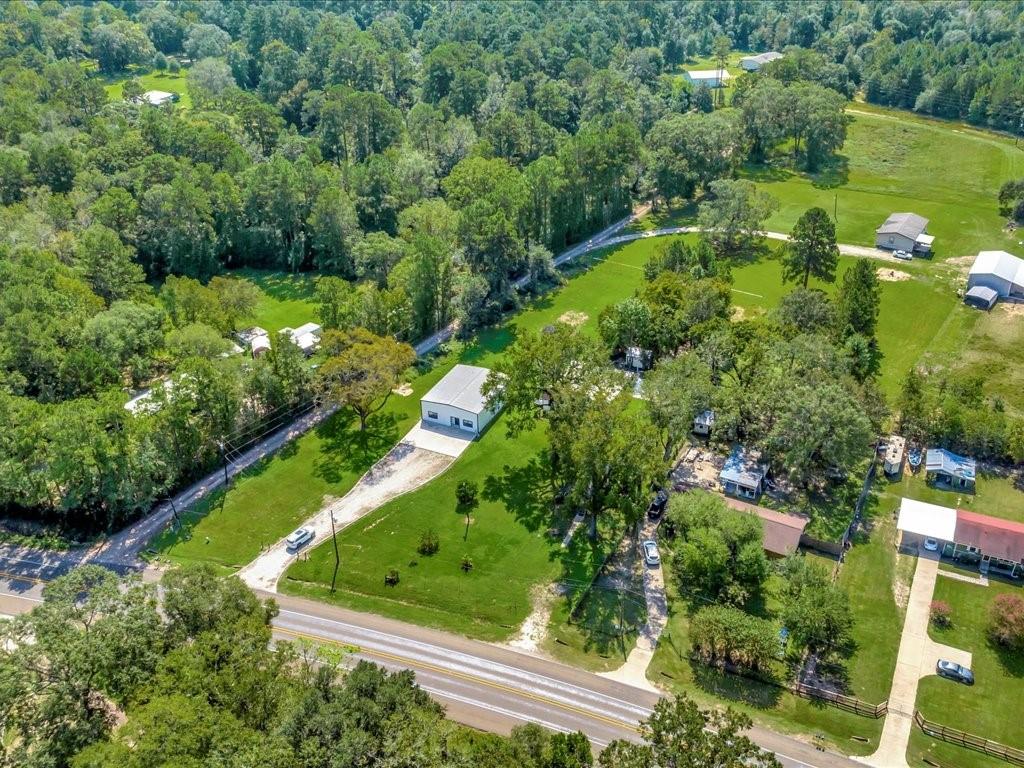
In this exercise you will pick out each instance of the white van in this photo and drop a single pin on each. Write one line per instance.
(298, 538)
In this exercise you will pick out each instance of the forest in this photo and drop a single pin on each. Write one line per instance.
(420, 157)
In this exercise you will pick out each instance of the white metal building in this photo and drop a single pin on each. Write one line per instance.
(456, 401)
(755, 62)
(999, 271)
(710, 78)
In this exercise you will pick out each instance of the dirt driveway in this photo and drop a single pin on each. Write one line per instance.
(406, 467)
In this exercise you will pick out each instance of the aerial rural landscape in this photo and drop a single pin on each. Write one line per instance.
(526, 384)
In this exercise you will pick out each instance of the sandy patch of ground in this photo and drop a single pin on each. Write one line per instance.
(573, 318)
(738, 313)
(404, 389)
(1010, 308)
(892, 275)
(535, 627)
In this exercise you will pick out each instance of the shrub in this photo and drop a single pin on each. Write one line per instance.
(941, 614)
(391, 577)
(429, 543)
(721, 634)
(174, 66)
(466, 493)
(467, 564)
(159, 61)
(1006, 621)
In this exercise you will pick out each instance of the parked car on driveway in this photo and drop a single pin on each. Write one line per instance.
(298, 538)
(657, 505)
(903, 255)
(931, 545)
(954, 671)
(651, 556)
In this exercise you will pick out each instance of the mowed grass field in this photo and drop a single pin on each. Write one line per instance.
(287, 298)
(985, 709)
(155, 81)
(894, 162)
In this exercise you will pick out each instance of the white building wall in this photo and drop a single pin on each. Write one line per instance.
(445, 414)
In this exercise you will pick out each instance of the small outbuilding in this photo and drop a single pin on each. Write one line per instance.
(306, 337)
(743, 474)
(755, 62)
(950, 469)
(894, 450)
(981, 297)
(457, 400)
(904, 232)
(704, 422)
(782, 532)
(1000, 272)
(709, 78)
(638, 358)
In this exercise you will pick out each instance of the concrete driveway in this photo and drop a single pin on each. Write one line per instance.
(917, 656)
(406, 467)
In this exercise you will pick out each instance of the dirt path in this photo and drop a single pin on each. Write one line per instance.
(406, 466)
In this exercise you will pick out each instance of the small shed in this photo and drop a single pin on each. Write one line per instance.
(457, 400)
(709, 78)
(981, 297)
(704, 422)
(894, 451)
(755, 62)
(260, 345)
(743, 474)
(306, 337)
(950, 469)
(904, 232)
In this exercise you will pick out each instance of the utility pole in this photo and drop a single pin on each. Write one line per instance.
(337, 557)
(835, 209)
(224, 459)
(174, 512)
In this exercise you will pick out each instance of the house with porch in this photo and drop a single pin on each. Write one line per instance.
(993, 544)
(743, 475)
(947, 469)
(904, 232)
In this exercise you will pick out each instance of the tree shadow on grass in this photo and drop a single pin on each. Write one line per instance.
(346, 449)
(835, 172)
(732, 687)
(525, 491)
(1011, 662)
(608, 621)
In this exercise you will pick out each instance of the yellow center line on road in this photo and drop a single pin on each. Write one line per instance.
(19, 577)
(467, 677)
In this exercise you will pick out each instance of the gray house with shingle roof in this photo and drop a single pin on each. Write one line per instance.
(904, 232)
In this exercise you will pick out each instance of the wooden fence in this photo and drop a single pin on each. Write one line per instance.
(969, 740)
(849, 703)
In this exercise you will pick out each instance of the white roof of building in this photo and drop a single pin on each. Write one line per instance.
(763, 58)
(306, 328)
(460, 388)
(925, 519)
(1001, 264)
(708, 74)
(156, 98)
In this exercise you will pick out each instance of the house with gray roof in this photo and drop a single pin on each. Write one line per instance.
(743, 475)
(950, 469)
(457, 401)
(755, 62)
(904, 232)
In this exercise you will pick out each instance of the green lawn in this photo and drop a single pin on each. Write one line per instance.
(155, 81)
(990, 708)
(892, 162)
(994, 495)
(229, 528)
(287, 298)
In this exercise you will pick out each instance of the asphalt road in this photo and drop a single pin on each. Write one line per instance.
(481, 685)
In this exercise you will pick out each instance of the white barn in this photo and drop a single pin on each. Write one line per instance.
(457, 402)
(755, 62)
(998, 271)
(710, 78)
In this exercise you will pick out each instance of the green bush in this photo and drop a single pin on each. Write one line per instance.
(391, 577)
(466, 493)
(429, 543)
(720, 634)
(467, 564)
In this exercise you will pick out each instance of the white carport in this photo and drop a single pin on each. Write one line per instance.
(919, 520)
